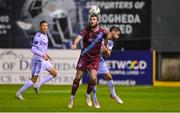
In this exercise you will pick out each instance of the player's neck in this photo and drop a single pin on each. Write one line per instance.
(95, 29)
(43, 32)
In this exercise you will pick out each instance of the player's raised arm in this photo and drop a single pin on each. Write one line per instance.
(108, 43)
(105, 50)
(76, 42)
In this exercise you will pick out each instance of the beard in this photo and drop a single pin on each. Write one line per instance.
(93, 26)
(114, 39)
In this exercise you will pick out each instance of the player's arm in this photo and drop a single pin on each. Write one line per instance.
(105, 50)
(107, 33)
(48, 56)
(39, 53)
(35, 50)
(76, 42)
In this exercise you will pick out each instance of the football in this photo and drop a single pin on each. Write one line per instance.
(94, 10)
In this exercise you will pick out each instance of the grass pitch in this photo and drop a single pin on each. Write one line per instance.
(55, 99)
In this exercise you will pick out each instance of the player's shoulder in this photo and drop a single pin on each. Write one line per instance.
(38, 34)
(87, 28)
(111, 42)
(84, 31)
(104, 30)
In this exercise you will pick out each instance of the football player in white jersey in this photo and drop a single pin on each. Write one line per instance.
(106, 49)
(40, 60)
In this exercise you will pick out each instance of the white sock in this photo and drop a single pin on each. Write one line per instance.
(111, 87)
(26, 86)
(88, 95)
(94, 93)
(72, 97)
(44, 80)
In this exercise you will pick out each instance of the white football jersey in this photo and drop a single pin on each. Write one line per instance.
(102, 65)
(109, 46)
(41, 43)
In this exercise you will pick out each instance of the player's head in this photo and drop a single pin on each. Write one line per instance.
(115, 32)
(43, 26)
(94, 21)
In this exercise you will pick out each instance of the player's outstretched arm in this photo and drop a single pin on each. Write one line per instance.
(76, 42)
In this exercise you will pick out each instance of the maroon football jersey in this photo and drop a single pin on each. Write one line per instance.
(88, 37)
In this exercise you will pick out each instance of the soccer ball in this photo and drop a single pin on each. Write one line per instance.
(94, 10)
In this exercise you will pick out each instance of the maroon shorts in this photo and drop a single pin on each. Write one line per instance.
(85, 63)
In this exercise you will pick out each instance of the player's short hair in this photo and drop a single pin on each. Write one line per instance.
(94, 16)
(115, 28)
(43, 21)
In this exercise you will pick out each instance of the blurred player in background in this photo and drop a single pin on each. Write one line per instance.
(90, 60)
(40, 60)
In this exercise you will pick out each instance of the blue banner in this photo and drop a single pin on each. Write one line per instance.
(128, 68)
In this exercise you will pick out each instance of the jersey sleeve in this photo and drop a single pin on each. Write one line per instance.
(36, 40)
(83, 32)
(35, 45)
(110, 44)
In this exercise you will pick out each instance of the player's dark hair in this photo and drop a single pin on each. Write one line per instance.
(43, 21)
(95, 16)
(115, 28)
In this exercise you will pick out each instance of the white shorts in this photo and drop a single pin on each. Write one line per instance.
(102, 68)
(37, 66)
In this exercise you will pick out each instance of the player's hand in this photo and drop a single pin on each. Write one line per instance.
(103, 48)
(45, 57)
(49, 57)
(74, 46)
